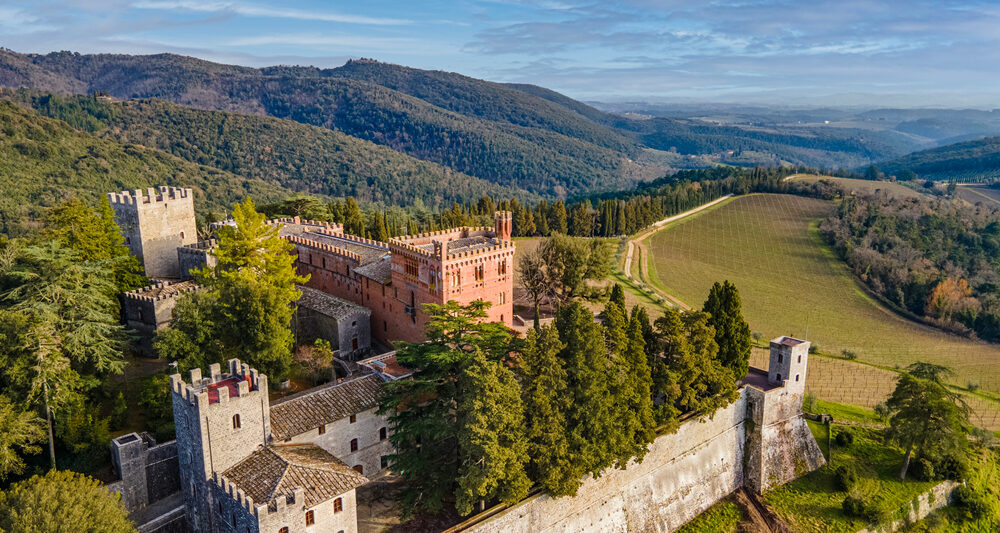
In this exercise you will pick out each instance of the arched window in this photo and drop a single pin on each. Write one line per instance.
(779, 377)
(800, 358)
(310, 518)
(182, 234)
(354, 445)
(283, 530)
(780, 357)
(796, 377)
(383, 434)
(338, 505)
(236, 421)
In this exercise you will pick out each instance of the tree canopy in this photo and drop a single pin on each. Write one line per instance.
(62, 501)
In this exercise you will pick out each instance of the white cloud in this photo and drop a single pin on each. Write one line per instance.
(265, 11)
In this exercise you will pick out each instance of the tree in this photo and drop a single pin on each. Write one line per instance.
(245, 311)
(96, 237)
(618, 295)
(925, 416)
(20, 433)
(423, 410)
(732, 333)
(533, 277)
(558, 221)
(950, 297)
(491, 436)
(634, 392)
(354, 223)
(872, 173)
(545, 408)
(571, 261)
(62, 501)
(591, 416)
(316, 360)
(62, 316)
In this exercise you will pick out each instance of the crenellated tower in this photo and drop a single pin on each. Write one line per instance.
(219, 420)
(156, 222)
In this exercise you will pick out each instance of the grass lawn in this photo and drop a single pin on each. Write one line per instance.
(792, 284)
(812, 503)
(723, 517)
(851, 185)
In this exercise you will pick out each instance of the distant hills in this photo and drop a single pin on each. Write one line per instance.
(975, 160)
(518, 137)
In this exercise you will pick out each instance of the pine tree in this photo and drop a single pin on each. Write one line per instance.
(558, 222)
(698, 381)
(491, 436)
(354, 222)
(591, 416)
(618, 295)
(545, 407)
(732, 333)
(73, 502)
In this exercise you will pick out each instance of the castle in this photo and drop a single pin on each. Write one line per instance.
(391, 280)
(242, 463)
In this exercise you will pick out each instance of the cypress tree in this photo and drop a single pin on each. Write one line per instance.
(545, 407)
(558, 222)
(591, 415)
(618, 295)
(637, 395)
(732, 333)
(491, 436)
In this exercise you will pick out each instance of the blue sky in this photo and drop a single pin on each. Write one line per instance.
(821, 52)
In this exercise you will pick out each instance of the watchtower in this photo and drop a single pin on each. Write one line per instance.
(503, 224)
(789, 357)
(219, 420)
(155, 224)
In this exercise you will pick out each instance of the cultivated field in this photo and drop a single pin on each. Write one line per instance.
(974, 195)
(793, 285)
(861, 186)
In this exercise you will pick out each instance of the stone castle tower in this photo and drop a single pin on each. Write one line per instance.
(220, 420)
(788, 361)
(155, 225)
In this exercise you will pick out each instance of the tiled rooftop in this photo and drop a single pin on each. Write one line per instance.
(329, 304)
(368, 252)
(379, 271)
(230, 383)
(298, 413)
(788, 341)
(278, 470)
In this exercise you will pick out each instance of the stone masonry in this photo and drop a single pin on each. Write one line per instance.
(155, 224)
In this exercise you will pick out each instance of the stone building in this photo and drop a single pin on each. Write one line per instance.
(346, 325)
(150, 309)
(155, 225)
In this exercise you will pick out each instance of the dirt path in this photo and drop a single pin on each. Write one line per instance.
(637, 251)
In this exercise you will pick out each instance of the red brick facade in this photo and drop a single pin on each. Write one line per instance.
(395, 279)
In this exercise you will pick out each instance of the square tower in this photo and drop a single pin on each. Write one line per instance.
(219, 420)
(787, 367)
(155, 225)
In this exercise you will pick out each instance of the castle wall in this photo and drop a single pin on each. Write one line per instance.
(194, 256)
(780, 446)
(337, 440)
(682, 475)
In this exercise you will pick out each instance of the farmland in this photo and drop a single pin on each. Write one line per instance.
(976, 194)
(857, 186)
(792, 284)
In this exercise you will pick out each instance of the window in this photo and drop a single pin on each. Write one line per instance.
(779, 377)
(479, 273)
(800, 358)
(283, 530)
(354, 418)
(383, 434)
(385, 325)
(796, 377)
(502, 299)
(236, 421)
(410, 268)
(220, 506)
(321, 429)
(310, 518)
(359, 469)
(234, 520)
(354, 324)
(354, 445)
(182, 234)
(780, 357)
(338, 505)
(354, 343)
(385, 461)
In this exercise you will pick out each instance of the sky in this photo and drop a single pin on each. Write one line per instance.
(780, 52)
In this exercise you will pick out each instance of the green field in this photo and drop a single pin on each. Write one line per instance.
(856, 186)
(791, 284)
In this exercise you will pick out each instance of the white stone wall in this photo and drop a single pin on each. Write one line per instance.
(682, 475)
(337, 441)
(327, 521)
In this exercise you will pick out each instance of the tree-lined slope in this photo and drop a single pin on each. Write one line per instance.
(965, 161)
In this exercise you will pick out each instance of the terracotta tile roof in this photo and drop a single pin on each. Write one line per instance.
(309, 409)
(380, 271)
(275, 471)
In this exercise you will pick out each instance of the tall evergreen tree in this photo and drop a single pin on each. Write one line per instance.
(491, 436)
(618, 295)
(354, 222)
(558, 221)
(732, 333)
(698, 381)
(591, 417)
(636, 395)
(545, 407)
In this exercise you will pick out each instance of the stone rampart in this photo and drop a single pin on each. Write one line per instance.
(683, 474)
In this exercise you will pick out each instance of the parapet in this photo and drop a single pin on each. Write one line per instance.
(260, 509)
(198, 247)
(152, 195)
(240, 381)
(163, 290)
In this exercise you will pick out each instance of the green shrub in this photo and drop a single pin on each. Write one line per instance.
(922, 469)
(853, 506)
(966, 498)
(849, 354)
(813, 348)
(952, 466)
(845, 477)
(119, 412)
(844, 437)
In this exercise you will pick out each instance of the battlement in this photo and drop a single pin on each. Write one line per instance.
(259, 509)
(241, 381)
(160, 291)
(198, 247)
(324, 247)
(442, 249)
(152, 195)
(355, 238)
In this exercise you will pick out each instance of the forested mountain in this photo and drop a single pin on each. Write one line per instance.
(965, 161)
(519, 136)
(45, 161)
(298, 157)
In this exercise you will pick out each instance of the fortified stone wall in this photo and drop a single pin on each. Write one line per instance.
(682, 475)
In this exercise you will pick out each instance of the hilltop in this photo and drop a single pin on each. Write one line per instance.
(969, 160)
